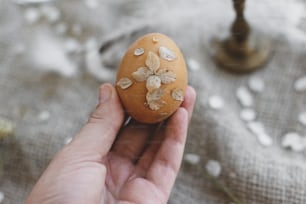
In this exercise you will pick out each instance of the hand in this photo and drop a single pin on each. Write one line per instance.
(139, 167)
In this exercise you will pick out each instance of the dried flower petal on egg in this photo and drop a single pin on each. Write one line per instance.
(142, 74)
(166, 54)
(155, 95)
(153, 62)
(139, 51)
(124, 83)
(177, 94)
(155, 105)
(153, 82)
(154, 99)
(166, 76)
(155, 40)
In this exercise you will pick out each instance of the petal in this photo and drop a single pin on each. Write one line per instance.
(153, 82)
(139, 51)
(166, 54)
(154, 99)
(152, 61)
(155, 105)
(177, 94)
(166, 76)
(124, 83)
(154, 95)
(141, 74)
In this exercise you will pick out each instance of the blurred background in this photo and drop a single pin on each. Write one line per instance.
(246, 141)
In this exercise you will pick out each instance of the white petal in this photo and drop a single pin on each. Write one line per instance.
(152, 61)
(124, 83)
(167, 76)
(166, 54)
(139, 51)
(154, 95)
(141, 74)
(177, 94)
(153, 82)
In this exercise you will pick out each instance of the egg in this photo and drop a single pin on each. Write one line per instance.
(152, 78)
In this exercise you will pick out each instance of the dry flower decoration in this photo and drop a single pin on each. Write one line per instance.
(124, 83)
(154, 76)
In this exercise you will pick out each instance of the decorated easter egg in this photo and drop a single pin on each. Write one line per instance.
(152, 78)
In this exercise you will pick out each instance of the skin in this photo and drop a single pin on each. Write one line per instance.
(110, 163)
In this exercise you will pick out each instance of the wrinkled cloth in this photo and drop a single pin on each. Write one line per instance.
(252, 172)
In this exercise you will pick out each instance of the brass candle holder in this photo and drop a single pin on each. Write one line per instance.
(242, 51)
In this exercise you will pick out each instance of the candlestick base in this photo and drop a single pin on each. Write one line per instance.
(242, 58)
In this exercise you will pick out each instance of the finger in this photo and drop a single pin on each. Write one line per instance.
(132, 140)
(97, 136)
(189, 101)
(145, 162)
(167, 161)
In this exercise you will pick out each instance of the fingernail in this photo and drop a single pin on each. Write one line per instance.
(105, 93)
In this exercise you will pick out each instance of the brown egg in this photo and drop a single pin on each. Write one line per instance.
(152, 78)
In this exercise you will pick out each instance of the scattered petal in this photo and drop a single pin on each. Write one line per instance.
(166, 54)
(244, 96)
(302, 118)
(124, 83)
(264, 139)
(248, 114)
(193, 64)
(256, 84)
(152, 62)
(177, 94)
(141, 74)
(213, 168)
(139, 51)
(153, 82)
(300, 84)
(167, 76)
(192, 158)
(294, 141)
(216, 102)
(44, 115)
(256, 127)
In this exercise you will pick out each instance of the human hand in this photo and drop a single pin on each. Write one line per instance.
(108, 163)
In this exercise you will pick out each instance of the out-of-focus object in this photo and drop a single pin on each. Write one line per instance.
(6, 127)
(31, 1)
(242, 51)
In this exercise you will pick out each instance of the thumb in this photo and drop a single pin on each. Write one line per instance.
(97, 136)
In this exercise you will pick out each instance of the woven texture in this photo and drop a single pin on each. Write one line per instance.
(252, 173)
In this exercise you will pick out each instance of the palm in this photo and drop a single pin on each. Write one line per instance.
(121, 185)
(133, 164)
